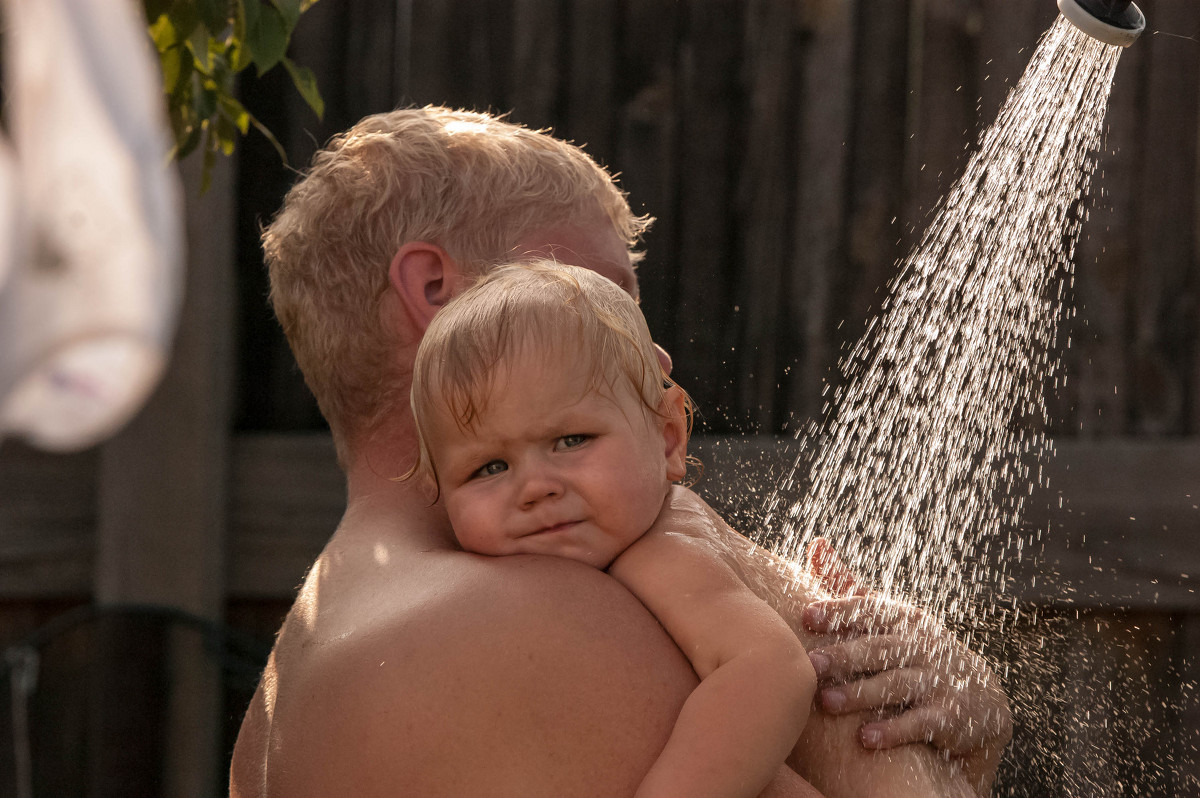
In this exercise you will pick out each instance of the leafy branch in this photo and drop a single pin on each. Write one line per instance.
(202, 45)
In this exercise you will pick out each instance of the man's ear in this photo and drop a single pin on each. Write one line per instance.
(424, 278)
(673, 414)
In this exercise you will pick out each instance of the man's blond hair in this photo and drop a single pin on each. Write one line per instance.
(535, 307)
(468, 182)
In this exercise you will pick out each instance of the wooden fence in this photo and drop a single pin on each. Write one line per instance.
(790, 151)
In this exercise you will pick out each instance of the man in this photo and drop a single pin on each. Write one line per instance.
(410, 667)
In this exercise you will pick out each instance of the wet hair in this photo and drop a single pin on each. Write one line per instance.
(520, 308)
(471, 183)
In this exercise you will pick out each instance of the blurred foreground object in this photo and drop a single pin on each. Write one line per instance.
(93, 234)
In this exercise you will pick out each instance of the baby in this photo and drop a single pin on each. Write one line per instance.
(548, 426)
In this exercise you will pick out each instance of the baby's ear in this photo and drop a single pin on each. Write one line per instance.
(673, 417)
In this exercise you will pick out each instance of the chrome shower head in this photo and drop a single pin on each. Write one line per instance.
(1116, 22)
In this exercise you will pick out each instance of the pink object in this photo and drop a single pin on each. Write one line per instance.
(92, 296)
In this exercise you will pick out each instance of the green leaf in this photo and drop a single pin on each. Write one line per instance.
(214, 14)
(202, 45)
(221, 74)
(237, 113)
(240, 56)
(197, 42)
(306, 83)
(172, 67)
(290, 11)
(204, 97)
(184, 17)
(252, 10)
(268, 38)
(181, 88)
(186, 143)
(227, 133)
(164, 33)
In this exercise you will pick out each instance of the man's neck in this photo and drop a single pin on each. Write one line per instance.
(379, 498)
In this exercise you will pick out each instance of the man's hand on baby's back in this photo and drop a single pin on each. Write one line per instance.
(890, 656)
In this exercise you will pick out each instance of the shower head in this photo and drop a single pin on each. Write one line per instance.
(1111, 21)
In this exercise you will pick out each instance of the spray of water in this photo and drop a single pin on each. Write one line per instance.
(936, 439)
(936, 436)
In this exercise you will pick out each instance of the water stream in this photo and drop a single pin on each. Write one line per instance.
(936, 440)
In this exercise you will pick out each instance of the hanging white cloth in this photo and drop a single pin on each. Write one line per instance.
(92, 295)
(9, 207)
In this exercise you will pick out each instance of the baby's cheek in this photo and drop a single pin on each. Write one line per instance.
(465, 522)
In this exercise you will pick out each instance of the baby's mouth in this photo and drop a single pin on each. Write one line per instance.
(561, 526)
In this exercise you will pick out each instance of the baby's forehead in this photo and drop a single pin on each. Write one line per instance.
(577, 377)
(579, 387)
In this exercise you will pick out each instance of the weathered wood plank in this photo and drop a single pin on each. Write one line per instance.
(435, 73)
(701, 89)
(161, 512)
(1165, 320)
(1186, 750)
(1107, 542)
(538, 43)
(1095, 402)
(47, 521)
(1008, 34)
(765, 202)
(942, 97)
(646, 153)
(370, 57)
(592, 76)
(877, 166)
(825, 110)
(1126, 533)
(286, 496)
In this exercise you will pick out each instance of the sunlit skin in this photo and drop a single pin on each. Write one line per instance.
(398, 637)
(553, 463)
(552, 467)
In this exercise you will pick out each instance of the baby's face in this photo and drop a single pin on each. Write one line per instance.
(551, 467)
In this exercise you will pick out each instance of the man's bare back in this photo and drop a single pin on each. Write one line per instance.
(407, 667)
(454, 674)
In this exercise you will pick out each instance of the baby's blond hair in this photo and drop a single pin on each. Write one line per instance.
(470, 183)
(523, 307)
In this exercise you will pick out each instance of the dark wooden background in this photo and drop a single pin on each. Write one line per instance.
(790, 150)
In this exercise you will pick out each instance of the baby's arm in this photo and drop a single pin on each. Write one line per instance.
(756, 688)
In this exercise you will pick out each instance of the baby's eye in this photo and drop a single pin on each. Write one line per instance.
(572, 441)
(492, 469)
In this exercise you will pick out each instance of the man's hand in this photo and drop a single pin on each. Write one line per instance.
(891, 657)
(885, 657)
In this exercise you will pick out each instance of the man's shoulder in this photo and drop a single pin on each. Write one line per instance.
(488, 619)
(480, 663)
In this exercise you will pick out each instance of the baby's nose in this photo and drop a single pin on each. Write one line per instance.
(540, 483)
